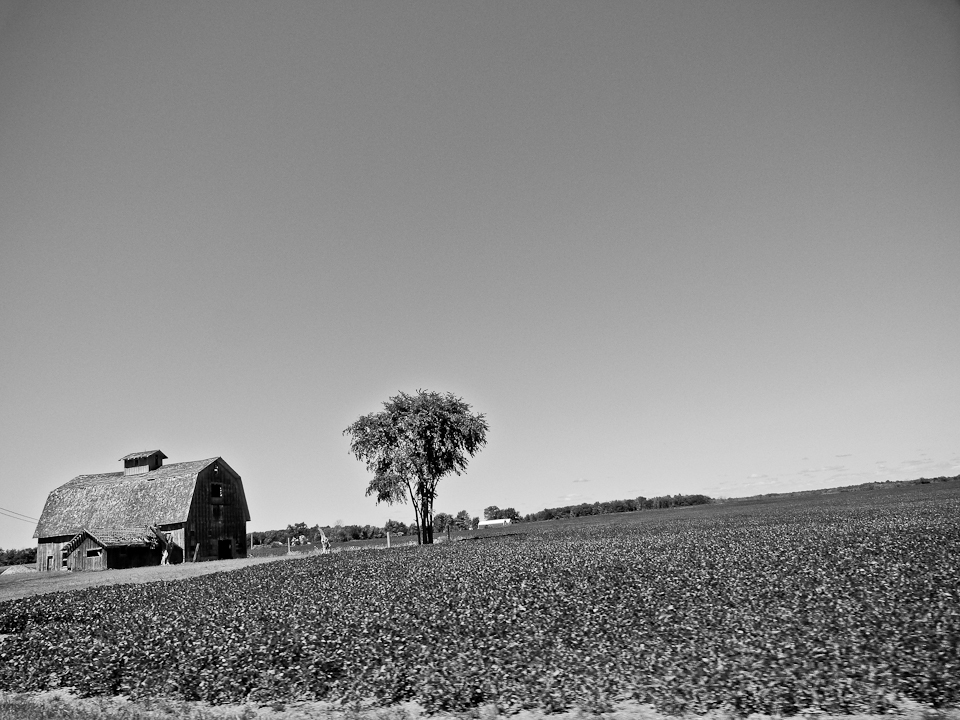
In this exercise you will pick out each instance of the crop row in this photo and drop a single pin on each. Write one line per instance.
(770, 610)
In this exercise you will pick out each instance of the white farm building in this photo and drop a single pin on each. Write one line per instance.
(494, 523)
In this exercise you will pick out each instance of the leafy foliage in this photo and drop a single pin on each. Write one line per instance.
(463, 521)
(414, 442)
(25, 556)
(763, 608)
(495, 513)
(442, 522)
(396, 527)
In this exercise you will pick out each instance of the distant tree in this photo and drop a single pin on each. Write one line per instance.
(370, 532)
(475, 523)
(462, 520)
(442, 522)
(495, 513)
(352, 532)
(414, 442)
(582, 510)
(395, 527)
(296, 531)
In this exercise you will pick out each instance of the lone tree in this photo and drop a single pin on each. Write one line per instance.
(411, 444)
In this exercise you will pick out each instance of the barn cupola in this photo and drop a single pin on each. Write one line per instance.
(142, 462)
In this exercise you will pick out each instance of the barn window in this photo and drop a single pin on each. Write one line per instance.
(94, 553)
(216, 490)
(216, 512)
(65, 556)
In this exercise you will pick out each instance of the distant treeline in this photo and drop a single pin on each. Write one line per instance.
(618, 506)
(26, 556)
(300, 533)
(463, 521)
(927, 481)
(867, 486)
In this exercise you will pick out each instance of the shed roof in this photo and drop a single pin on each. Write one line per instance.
(116, 537)
(123, 537)
(115, 500)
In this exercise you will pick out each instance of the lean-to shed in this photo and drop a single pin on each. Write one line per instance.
(190, 511)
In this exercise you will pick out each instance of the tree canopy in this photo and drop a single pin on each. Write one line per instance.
(442, 522)
(463, 520)
(414, 442)
(495, 513)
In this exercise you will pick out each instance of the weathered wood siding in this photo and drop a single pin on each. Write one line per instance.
(90, 555)
(50, 553)
(81, 559)
(217, 524)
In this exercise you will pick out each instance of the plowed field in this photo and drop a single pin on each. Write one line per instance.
(844, 603)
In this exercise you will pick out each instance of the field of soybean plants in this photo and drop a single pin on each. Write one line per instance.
(847, 603)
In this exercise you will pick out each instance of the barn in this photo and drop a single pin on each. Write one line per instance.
(145, 514)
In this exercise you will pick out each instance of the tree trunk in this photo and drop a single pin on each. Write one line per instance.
(416, 514)
(427, 523)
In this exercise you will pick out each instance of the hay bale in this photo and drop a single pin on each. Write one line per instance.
(17, 569)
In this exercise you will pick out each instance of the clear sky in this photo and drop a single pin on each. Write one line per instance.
(665, 247)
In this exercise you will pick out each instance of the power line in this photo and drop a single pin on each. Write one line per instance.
(14, 512)
(13, 515)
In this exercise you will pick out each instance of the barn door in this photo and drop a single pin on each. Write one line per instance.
(224, 550)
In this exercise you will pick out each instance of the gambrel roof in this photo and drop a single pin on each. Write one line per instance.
(115, 500)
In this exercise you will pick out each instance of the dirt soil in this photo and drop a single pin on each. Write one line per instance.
(22, 585)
